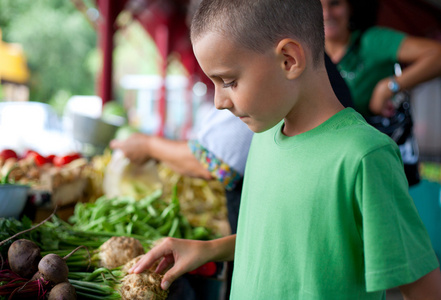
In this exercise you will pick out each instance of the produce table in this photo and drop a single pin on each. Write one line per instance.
(38, 214)
(182, 207)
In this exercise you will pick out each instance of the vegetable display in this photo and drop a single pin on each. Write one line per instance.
(202, 202)
(33, 273)
(113, 232)
(55, 281)
(151, 217)
(31, 166)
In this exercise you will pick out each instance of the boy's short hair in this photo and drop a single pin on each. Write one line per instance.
(260, 24)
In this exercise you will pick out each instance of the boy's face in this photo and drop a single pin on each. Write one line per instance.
(251, 85)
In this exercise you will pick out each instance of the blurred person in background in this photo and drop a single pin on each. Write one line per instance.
(366, 56)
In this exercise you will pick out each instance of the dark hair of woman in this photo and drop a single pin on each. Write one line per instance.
(364, 14)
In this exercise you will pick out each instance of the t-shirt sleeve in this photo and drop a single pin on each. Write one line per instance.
(219, 169)
(226, 137)
(386, 39)
(397, 247)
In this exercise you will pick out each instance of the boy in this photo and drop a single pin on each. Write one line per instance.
(325, 212)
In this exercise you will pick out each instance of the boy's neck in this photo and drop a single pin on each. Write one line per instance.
(317, 104)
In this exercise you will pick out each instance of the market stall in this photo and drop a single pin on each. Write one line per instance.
(62, 202)
(65, 199)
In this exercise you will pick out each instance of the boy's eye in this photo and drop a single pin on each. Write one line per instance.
(229, 84)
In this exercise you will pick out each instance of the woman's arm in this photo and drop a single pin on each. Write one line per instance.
(183, 256)
(422, 58)
(177, 155)
(427, 287)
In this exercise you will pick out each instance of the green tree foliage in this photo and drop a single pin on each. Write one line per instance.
(58, 42)
(8, 10)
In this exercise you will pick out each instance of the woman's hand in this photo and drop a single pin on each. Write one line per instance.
(135, 147)
(381, 100)
(178, 256)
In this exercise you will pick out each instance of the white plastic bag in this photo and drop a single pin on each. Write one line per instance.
(123, 178)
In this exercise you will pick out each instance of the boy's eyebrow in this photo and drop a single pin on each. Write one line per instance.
(219, 74)
(214, 76)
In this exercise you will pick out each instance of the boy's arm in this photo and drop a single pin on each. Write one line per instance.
(427, 287)
(182, 256)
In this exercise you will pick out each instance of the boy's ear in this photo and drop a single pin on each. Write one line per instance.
(292, 56)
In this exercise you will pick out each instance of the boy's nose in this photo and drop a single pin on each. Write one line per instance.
(221, 100)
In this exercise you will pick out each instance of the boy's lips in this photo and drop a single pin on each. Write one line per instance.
(239, 116)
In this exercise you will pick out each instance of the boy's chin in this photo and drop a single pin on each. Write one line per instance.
(257, 128)
(251, 125)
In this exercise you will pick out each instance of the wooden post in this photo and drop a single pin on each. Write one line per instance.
(108, 15)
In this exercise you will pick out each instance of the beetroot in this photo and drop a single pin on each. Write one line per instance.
(53, 268)
(23, 257)
(63, 291)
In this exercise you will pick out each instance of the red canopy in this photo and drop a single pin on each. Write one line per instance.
(166, 22)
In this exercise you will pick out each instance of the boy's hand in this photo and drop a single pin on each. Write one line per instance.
(179, 256)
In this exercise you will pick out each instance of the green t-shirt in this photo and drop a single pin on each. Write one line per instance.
(327, 215)
(370, 58)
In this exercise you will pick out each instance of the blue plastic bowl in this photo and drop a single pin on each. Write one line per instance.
(12, 200)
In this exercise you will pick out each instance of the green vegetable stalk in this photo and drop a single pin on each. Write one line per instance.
(150, 217)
